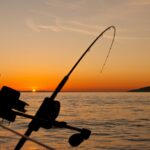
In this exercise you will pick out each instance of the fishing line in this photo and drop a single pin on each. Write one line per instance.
(109, 49)
(26, 137)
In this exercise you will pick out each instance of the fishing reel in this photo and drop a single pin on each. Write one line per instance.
(45, 117)
(48, 114)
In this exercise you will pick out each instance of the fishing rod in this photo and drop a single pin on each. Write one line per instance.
(50, 108)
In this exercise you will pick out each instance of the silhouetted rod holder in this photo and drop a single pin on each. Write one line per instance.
(9, 101)
(44, 109)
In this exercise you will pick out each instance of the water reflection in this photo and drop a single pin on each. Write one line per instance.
(117, 120)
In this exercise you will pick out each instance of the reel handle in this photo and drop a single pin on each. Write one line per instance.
(75, 139)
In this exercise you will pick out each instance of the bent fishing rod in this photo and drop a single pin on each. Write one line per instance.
(50, 108)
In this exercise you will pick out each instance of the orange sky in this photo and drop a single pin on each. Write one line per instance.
(41, 41)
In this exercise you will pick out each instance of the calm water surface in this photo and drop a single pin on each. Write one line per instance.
(119, 121)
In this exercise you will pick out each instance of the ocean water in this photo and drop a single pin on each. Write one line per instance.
(118, 121)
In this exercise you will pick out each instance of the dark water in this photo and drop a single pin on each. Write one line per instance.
(119, 121)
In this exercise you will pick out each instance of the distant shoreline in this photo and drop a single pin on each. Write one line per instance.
(143, 89)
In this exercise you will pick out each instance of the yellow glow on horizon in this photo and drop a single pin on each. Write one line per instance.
(33, 90)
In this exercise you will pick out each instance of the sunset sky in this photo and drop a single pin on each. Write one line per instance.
(40, 40)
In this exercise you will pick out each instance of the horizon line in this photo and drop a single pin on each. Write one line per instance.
(69, 91)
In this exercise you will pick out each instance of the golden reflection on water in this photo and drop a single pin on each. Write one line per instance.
(117, 120)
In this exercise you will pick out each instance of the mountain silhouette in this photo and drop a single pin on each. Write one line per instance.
(143, 89)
